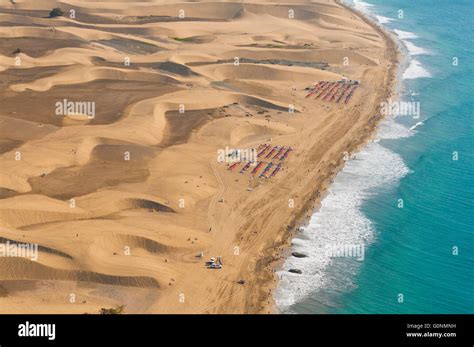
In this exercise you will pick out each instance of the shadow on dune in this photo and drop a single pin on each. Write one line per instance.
(20, 268)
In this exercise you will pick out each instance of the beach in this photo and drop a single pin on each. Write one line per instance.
(398, 205)
(126, 197)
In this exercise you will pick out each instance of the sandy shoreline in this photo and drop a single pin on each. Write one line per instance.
(314, 204)
(137, 226)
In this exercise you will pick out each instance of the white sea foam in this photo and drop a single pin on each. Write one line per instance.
(390, 129)
(362, 6)
(339, 221)
(367, 8)
(405, 35)
(415, 70)
(414, 49)
(383, 19)
(419, 124)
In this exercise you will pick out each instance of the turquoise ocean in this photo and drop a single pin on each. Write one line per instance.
(407, 197)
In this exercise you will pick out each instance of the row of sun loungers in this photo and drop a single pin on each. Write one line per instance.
(259, 165)
(263, 174)
(276, 170)
(257, 168)
(279, 152)
(272, 153)
(344, 90)
(233, 166)
(327, 91)
(286, 154)
(263, 150)
(316, 88)
(333, 91)
(349, 94)
(246, 167)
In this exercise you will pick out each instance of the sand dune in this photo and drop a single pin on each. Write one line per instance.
(21, 210)
(85, 74)
(122, 202)
(27, 269)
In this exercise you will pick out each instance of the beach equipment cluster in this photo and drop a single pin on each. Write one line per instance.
(336, 91)
(269, 161)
